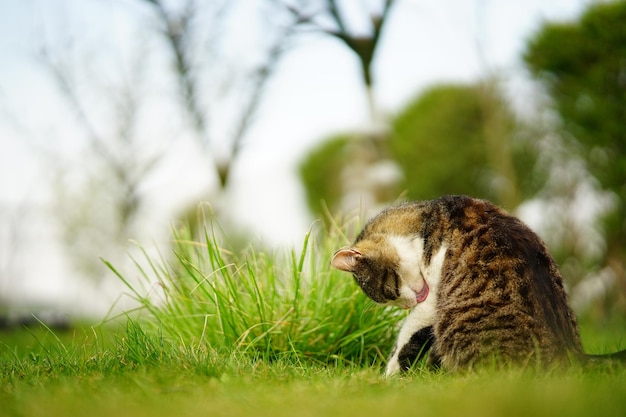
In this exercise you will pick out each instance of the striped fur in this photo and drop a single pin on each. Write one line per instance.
(494, 291)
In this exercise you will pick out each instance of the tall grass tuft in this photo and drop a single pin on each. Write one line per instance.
(266, 305)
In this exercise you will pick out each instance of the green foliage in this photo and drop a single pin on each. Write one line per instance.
(437, 142)
(582, 66)
(262, 305)
(453, 139)
(320, 173)
(462, 139)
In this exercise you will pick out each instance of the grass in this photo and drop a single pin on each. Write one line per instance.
(220, 333)
(263, 305)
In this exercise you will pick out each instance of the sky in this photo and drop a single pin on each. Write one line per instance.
(315, 93)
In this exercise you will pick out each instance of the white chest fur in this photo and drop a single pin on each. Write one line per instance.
(414, 274)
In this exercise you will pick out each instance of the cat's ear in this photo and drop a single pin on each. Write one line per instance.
(346, 259)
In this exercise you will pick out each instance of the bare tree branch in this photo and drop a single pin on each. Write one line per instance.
(67, 86)
(117, 150)
(334, 12)
(177, 32)
(364, 46)
(260, 77)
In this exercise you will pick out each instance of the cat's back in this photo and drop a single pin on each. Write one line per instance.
(448, 218)
(501, 293)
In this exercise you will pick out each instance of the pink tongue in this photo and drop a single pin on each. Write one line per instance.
(421, 296)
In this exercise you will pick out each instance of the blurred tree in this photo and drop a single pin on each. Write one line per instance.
(217, 93)
(582, 65)
(329, 17)
(464, 139)
(475, 129)
(437, 142)
(453, 139)
(359, 27)
(196, 36)
(320, 173)
(99, 207)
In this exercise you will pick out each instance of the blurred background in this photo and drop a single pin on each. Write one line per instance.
(120, 119)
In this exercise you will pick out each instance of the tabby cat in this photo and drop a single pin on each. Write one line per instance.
(481, 286)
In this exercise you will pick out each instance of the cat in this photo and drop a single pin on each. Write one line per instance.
(481, 286)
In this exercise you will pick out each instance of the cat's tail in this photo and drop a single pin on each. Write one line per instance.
(619, 356)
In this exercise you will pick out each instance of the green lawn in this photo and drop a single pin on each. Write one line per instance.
(260, 334)
(205, 384)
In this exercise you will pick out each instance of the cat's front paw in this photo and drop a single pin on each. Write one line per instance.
(393, 367)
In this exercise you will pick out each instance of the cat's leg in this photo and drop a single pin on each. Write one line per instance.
(417, 347)
(414, 340)
(434, 359)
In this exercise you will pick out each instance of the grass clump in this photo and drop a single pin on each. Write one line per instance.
(266, 306)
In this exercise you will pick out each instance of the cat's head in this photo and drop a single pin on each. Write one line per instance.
(387, 268)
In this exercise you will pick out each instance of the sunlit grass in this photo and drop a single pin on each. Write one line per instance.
(221, 332)
(242, 387)
(267, 305)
